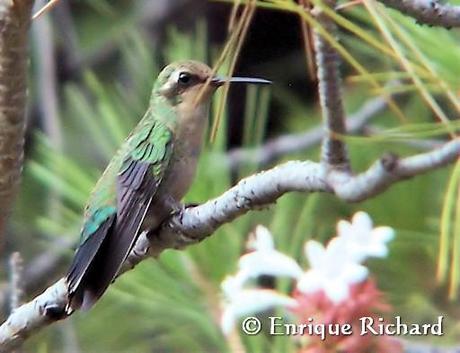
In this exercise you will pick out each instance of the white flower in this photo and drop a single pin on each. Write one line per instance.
(362, 239)
(332, 270)
(266, 260)
(232, 285)
(262, 240)
(250, 301)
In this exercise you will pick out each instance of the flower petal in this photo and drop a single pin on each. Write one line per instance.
(227, 322)
(337, 291)
(314, 252)
(250, 301)
(384, 234)
(232, 285)
(354, 274)
(310, 282)
(270, 263)
(262, 239)
(344, 229)
(362, 221)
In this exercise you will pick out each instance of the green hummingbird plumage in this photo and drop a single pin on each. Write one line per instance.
(151, 171)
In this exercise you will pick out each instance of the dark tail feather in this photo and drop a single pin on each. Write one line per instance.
(109, 257)
(107, 263)
(81, 272)
(135, 188)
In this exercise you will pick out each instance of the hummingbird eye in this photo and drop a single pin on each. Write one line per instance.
(184, 78)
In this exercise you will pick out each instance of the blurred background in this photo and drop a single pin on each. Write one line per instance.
(92, 67)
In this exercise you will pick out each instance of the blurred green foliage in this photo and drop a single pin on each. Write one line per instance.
(170, 304)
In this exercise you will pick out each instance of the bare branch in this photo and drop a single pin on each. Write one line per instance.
(30, 317)
(16, 289)
(256, 191)
(46, 79)
(46, 265)
(430, 12)
(388, 170)
(194, 224)
(291, 143)
(14, 24)
(334, 150)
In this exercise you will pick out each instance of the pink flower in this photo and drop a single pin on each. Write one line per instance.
(365, 300)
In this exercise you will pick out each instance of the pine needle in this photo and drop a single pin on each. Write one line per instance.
(308, 42)
(446, 224)
(379, 17)
(241, 32)
(44, 9)
(455, 265)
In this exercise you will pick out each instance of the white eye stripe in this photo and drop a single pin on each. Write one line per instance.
(175, 76)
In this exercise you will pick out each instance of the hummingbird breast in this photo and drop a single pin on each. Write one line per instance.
(188, 140)
(187, 143)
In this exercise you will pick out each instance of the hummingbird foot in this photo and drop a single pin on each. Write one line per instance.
(56, 312)
(175, 207)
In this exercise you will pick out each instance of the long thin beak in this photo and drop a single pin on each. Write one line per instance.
(219, 81)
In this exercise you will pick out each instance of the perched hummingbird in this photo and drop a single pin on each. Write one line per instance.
(151, 171)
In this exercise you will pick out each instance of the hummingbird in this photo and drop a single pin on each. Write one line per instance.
(146, 179)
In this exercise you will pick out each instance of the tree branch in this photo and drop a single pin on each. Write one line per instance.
(47, 264)
(14, 25)
(388, 170)
(334, 150)
(430, 12)
(30, 317)
(16, 280)
(194, 224)
(291, 143)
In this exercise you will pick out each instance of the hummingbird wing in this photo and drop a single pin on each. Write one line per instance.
(102, 253)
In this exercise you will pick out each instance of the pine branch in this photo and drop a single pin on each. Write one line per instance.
(430, 12)
(14, 25)
(300, 142)
(334, 150)
(16, 280)
(194, 224)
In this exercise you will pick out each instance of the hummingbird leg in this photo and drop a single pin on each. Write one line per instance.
(175, 207)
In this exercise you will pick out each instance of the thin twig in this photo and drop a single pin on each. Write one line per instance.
(41, 270)
(70, 339)
(194, 224)
(47, 7)
(46, 265)
(334, 151)
(307, 42)
(46, 78)
(430, 12)
(291, 143)
(64, 24)
(16, 280)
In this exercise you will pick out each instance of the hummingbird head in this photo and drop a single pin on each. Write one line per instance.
(192, 82)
